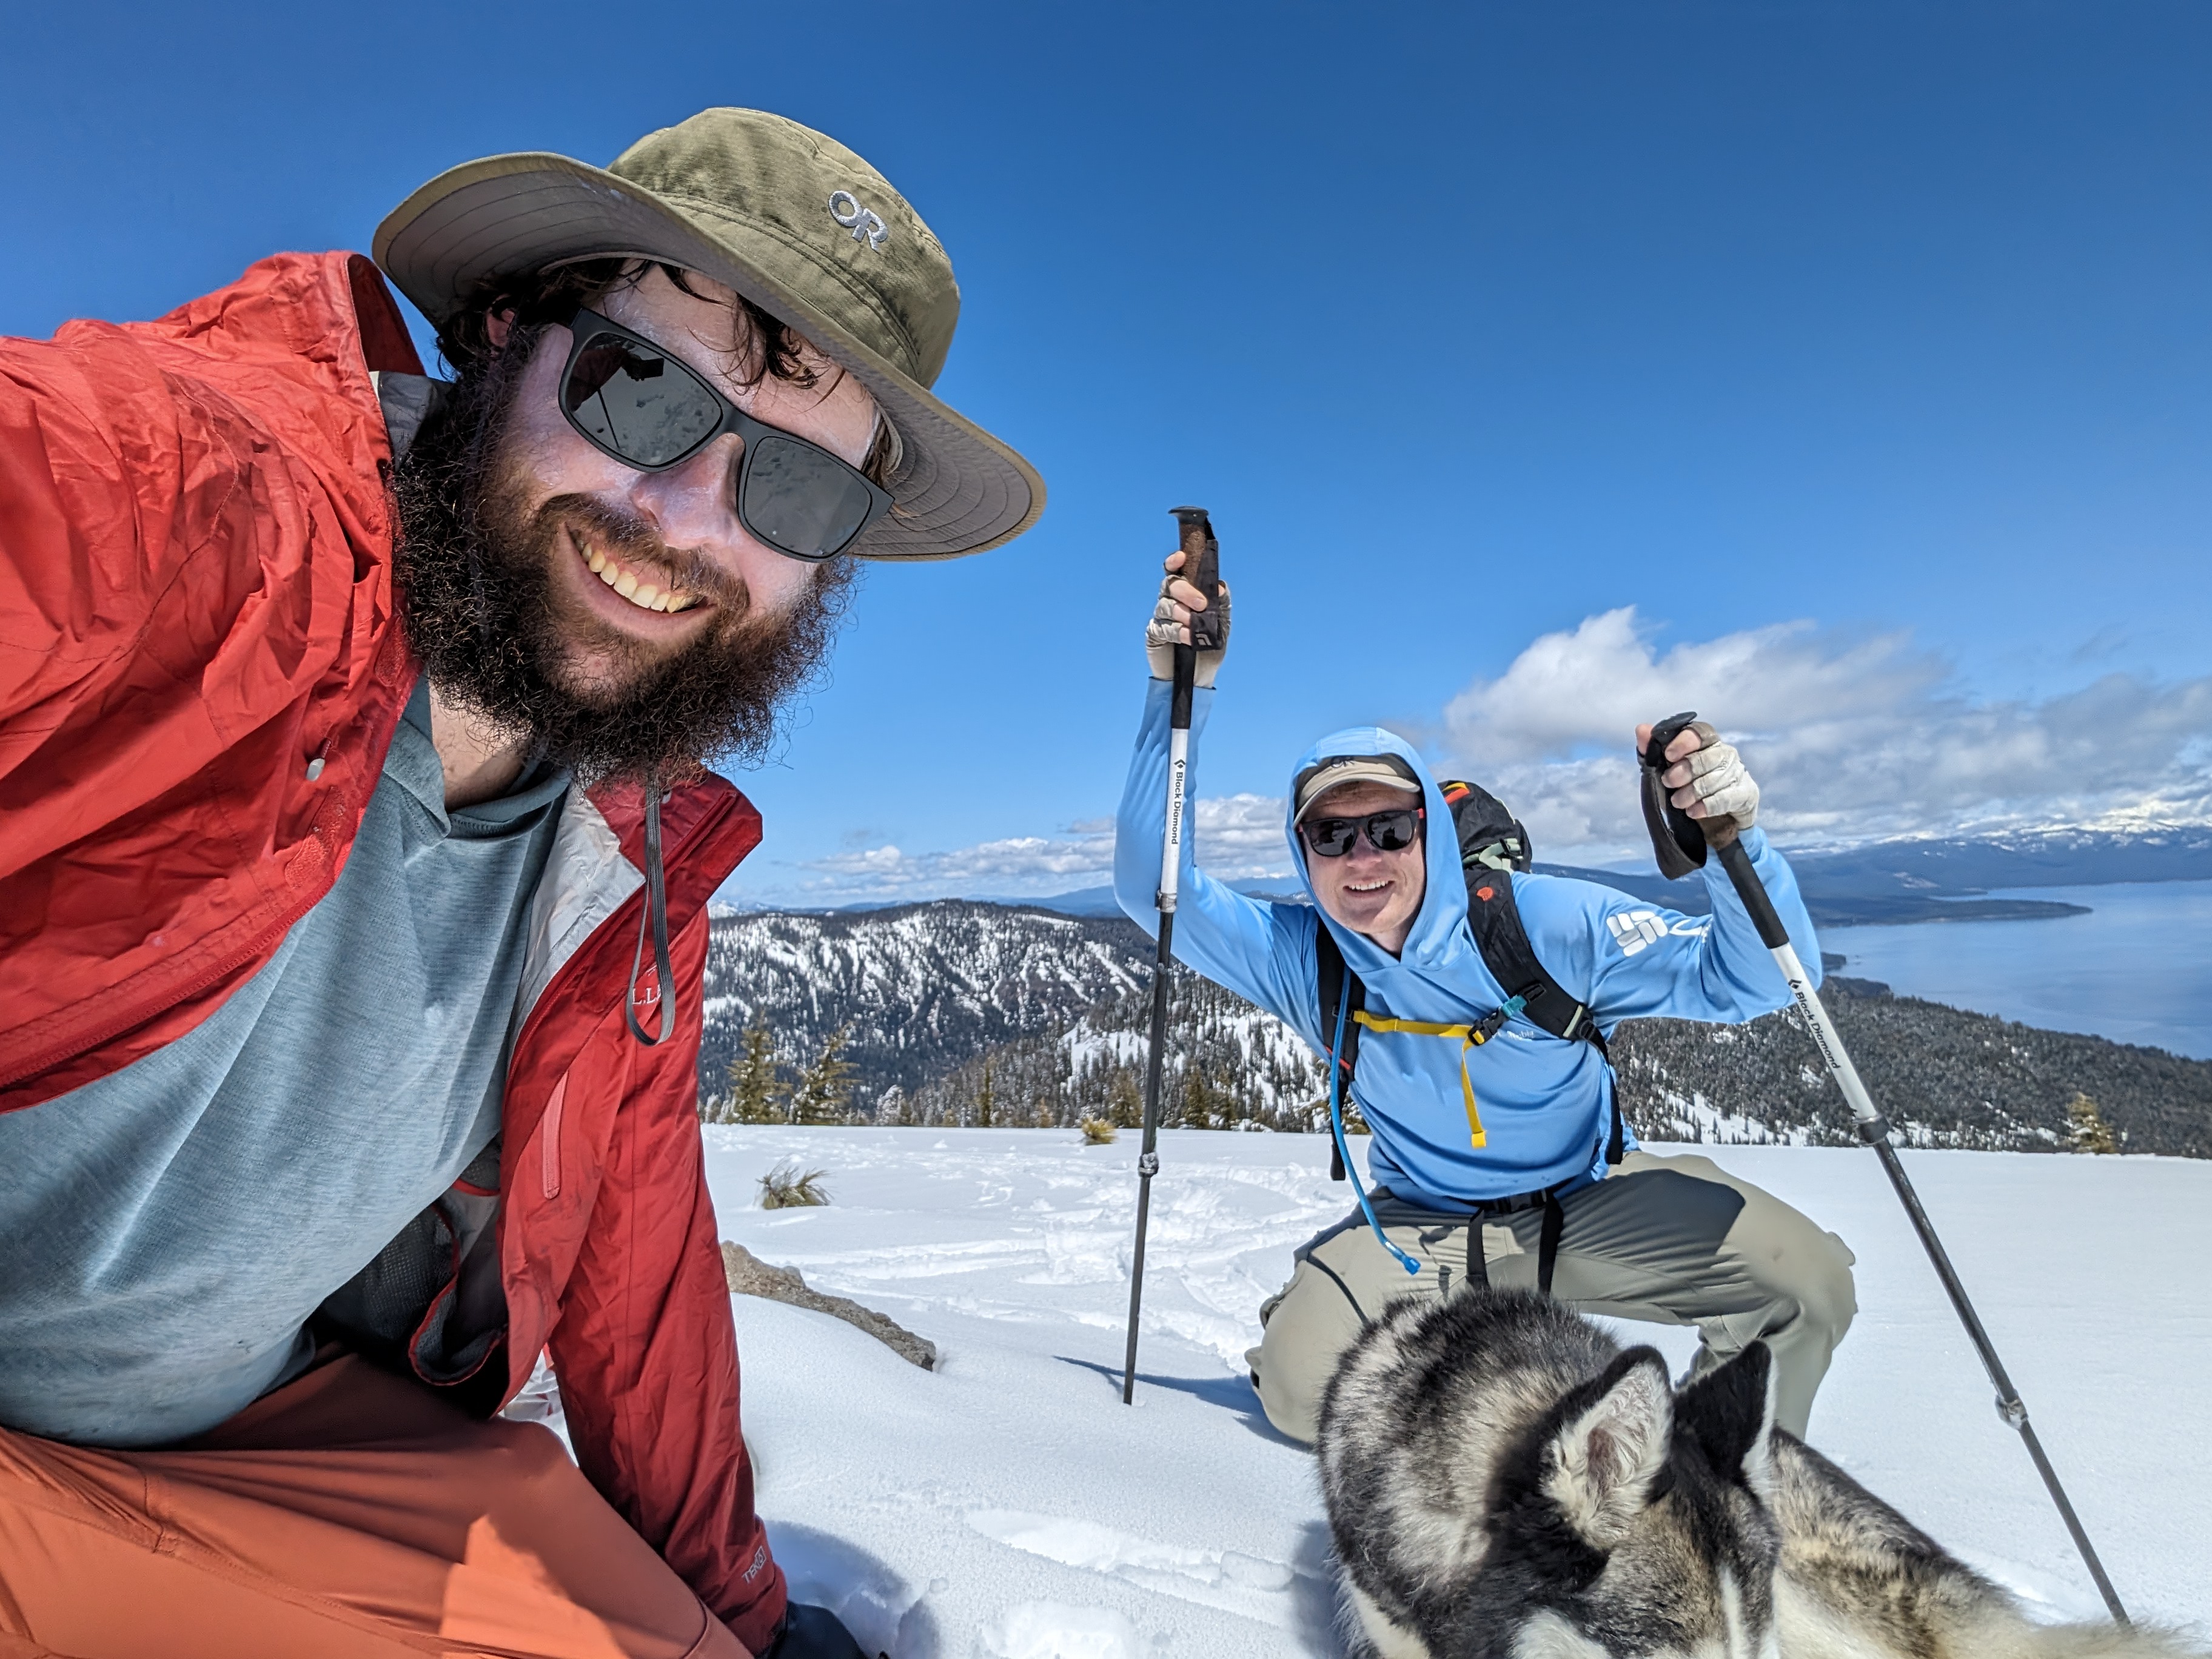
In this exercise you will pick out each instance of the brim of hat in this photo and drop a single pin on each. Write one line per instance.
(958, 489)
(1383, 775)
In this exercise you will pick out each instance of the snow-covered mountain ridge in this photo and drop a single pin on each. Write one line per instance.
(986, 1014)
(919, 987)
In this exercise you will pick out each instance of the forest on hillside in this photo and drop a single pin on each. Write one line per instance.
(903, 1022)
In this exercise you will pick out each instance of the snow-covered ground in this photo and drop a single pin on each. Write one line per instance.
(1010, 1506)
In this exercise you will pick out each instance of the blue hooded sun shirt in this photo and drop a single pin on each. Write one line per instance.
(1546, 1104)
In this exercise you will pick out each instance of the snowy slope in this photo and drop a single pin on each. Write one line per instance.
(1010, 1505)
(918, 988)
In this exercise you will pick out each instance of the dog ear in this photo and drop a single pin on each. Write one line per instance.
(1728, 1414)
(1611, 1447)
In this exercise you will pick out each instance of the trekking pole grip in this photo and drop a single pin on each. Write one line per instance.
(1733, 859)
(1201, 569)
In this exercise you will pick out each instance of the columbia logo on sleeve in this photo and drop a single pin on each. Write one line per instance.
(1634, 930)
(1637, 930)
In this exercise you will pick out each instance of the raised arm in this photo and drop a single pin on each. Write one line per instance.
(1263, 951)
(1638, 958)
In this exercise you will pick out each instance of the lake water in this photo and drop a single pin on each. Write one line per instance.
(2137, 969)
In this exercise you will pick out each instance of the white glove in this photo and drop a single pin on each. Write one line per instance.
(1711, 783)
(1168, 628)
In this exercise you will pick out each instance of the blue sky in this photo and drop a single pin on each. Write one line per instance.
(1841, 369)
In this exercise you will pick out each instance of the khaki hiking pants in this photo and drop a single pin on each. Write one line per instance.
(1673, 1241)
(350, 1514)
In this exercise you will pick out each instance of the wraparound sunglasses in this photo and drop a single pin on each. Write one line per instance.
(648, 408)
(1386, 832)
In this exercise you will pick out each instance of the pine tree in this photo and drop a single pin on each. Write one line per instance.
(753, 1081)
(823, 1093)
(1316, 1117)
(986, 1100)
(1125, 1107)
(1205, 1103)
(2086, 1128)
(1193, 1107)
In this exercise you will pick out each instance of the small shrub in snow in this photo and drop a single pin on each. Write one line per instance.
(1097, 1132)
(784, 1187)
(2086, 1129)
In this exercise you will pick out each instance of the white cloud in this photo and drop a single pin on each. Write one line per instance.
(1239, 837)
(1849, 739)
(1018, 864)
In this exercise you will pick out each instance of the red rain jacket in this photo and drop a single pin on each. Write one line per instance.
(199, 674)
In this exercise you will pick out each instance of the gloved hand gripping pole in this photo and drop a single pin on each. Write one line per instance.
(1689, 837)
(1201, 569)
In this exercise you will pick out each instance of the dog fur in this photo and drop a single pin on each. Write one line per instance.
(1505, 1481)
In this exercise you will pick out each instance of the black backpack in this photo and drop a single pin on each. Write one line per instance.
(1493, 844)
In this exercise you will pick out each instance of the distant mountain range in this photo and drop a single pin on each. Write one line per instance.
(957, 1011)
(1891, 882)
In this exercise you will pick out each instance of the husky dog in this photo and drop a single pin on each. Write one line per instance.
(1505, 1481)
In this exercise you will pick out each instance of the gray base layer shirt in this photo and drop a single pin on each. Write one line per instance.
(169, 1230)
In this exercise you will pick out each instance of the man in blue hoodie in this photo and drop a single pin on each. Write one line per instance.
(1490, 1162)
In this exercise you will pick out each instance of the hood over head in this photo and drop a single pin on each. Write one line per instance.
(1440, 945)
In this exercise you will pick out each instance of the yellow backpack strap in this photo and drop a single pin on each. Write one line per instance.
(1472, 1035)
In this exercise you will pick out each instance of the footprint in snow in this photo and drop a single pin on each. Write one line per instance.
(1275, 1593)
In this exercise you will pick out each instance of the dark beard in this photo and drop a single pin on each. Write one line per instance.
(473, 566)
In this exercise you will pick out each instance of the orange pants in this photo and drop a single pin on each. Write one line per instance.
(350, 1514)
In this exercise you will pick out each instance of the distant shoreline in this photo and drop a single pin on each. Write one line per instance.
(1879, 913)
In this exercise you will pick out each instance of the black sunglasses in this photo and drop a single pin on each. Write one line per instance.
(648, 408)
(1386, 832)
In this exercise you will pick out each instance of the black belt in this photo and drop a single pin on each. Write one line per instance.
(1546, 1198)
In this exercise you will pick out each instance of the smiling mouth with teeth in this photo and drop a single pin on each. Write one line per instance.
(645, 595)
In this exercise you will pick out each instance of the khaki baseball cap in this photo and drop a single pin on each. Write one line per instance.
(792, 219)
(1337, 770)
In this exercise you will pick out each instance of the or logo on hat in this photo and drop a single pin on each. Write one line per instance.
(864, 223)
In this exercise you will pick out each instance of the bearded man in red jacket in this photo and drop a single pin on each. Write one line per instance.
(354, 853)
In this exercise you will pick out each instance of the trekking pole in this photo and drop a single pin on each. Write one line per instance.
(1201, 569)
(1873, 1127)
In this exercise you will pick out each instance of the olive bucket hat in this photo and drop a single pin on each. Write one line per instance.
(795, 222)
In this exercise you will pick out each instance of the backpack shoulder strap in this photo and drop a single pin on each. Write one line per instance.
(1330, 988)
(1335, 970)
(1494, 915)
(1495, 919)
